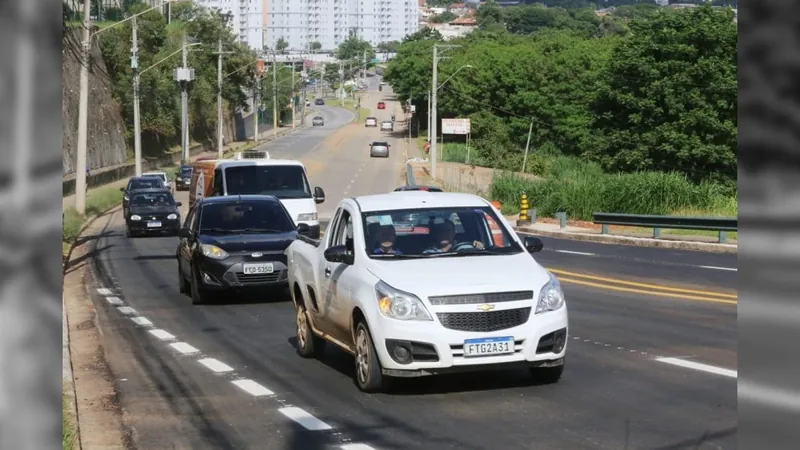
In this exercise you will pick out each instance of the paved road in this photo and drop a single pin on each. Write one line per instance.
(614, 393)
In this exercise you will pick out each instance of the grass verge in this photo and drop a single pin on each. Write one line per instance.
(69, 433)
(361, 113)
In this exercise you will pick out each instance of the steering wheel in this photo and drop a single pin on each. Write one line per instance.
(462, 246)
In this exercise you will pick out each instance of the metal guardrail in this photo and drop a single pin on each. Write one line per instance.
(719, 224)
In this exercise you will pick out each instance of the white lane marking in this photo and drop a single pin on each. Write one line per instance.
(114, 300)
(769, 396)
(731, 269)
(698, 366)
(252, 388)
(184, 348)
(305, 419)
(216, 365)
(575, 253)
(127, 310)
(163, 335)
(142, 321)
(104, 291)
(356, 447)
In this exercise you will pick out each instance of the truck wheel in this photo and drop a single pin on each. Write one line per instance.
(308, 344)
(369, 376)
(199, 296)
(547, 375)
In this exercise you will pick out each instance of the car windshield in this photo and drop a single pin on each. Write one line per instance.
(185, 171)
(243, 217)
(284, 182)
(153, 199)
(159, 176)
(436, 232)
(144, 184)
(380, 144)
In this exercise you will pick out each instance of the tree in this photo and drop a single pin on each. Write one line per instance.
(353, 48)
(670, 101)
(445, 17)
(389, 47)
(423, 34)
(316, 46)
(490, 16)
(281, 46)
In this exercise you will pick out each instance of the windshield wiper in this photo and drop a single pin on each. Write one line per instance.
(218, 230)
(260, 230)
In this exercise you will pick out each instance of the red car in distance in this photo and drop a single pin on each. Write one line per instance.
(381, 105)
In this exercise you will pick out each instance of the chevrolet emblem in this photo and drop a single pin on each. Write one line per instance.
(485, 307)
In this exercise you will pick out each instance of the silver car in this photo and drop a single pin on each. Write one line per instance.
(371, 122)
(379, 149)
(318, 121)
(387, 125)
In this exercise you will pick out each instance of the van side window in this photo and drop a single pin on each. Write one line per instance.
(217, 190)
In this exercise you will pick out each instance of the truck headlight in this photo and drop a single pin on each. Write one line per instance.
(172, 217)
(551, 298)
(213, 252)
(306, 217)
(400, 305)
(136, 217)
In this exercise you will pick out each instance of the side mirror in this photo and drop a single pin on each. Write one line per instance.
(303, 229)
(185, 233)
(319, 195)
(533, 244)
(122, 189)
(178, 204)
(338, 254)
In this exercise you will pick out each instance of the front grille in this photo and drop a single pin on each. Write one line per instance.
(485, 321)
(477, 299)
(258, 278)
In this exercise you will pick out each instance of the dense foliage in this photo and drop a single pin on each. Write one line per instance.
(641, 89)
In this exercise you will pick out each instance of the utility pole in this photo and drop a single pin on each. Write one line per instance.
(293, 96)
(83, 112)
(525, 158)
(274, 94)
(434, 90)
(219, 97)
(341, 82)
(184, 75)
(137, 127)
(256, 86)
(429, 115)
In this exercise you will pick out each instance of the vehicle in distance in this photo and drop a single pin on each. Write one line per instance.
(379, 148)
(387, 125)
(234, 243)
(183, 179)
(381, 105)
(419, 188)
(161, 176)
(137, 184)
(319, 101)
(371, 122)
(152, 211)
(318, 121)
(432, 296)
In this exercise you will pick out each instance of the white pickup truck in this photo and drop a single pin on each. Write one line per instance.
(420, 283)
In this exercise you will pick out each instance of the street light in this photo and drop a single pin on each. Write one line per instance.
(432, 104)
(83, 104)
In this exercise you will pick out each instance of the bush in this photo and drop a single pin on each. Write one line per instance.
(581, 189)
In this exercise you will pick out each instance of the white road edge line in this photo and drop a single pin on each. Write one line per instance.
(575, 253)
(252, 388)
(698, 366)
(142, 321)
(769, 396)
(216, 365)
(127, 310)
(184, 348)
(731, 269)
(163, 335)
(305, 419)
(356, 447)
(104, 291)
(116, 301)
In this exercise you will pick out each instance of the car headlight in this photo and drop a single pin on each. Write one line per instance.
(306, 217)
(172, 217)
(400, 305)
(213, 252)
(551, 298)
(136, 217)
(126, 198)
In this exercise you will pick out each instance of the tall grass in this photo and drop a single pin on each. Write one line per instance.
(97, 201)
(581, 189)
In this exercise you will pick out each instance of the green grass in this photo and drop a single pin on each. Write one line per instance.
(451, 151)
(97, 201)
(361, 113)
(68, 433)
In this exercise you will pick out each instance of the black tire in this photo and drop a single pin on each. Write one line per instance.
(547, 375)
(368, 376)
(128, 233)
(309, 345)
(183, 285)
(199, 295)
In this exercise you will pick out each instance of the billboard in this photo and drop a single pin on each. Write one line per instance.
(455, 126)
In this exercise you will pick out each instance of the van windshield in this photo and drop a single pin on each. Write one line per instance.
(284, 182)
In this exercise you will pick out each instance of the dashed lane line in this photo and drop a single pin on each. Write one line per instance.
(184, 348)
(142, 321)
(305, 419)
(252, 388)
(216, 365)
(163, 335)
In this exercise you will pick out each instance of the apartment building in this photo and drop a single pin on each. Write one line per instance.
(246, 18)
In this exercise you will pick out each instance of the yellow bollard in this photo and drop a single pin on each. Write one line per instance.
(524, 219)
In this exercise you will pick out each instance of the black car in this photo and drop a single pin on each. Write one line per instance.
(318, 121)
(183, 178)
(235, 242)
(137, 184)
(152, 211)
(319, 101)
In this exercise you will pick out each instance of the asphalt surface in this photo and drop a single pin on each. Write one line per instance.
(614, 393)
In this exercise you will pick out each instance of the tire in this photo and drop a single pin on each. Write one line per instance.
(368, 376)
(183, 285)
(547, 375)
(128, 233)
(199, 295)
(309, 345)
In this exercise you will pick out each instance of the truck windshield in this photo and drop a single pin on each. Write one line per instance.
(284, 182)
(436, 232)
(256, 217)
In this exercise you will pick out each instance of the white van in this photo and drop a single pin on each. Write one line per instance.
(283, 178)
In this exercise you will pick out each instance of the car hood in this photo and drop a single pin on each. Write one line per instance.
(239, 243)
(143, 210)
(462, 274)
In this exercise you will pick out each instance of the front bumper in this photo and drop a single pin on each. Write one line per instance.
(140, 226)
(229, 273)
(539, 342)
(181, 185)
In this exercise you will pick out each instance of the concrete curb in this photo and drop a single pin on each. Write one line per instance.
(635, 241)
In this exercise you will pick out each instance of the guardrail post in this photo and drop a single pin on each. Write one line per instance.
(523, 210)
(562, 219)
(723, 237)
(604, 229)
(532, 215)
(656, 233)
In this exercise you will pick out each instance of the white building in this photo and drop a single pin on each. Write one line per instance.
(247, 18)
